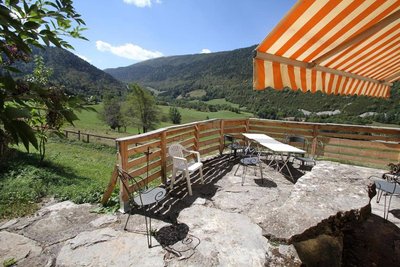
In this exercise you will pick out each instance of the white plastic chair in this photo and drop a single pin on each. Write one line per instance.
(180, 163)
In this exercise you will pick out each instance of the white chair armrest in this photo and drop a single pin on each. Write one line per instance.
(197, 154)
(180, 163)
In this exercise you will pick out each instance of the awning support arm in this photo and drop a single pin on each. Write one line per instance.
(311, 65)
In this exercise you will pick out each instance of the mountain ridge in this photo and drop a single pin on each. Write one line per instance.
(77, 75)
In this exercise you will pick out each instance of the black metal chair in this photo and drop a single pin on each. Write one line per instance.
(388, 186)
(305, 162)
(140, 196)
(231, 143)
(250, 157)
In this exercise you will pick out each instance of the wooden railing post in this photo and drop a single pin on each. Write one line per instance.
(164, 157)
(196, 137)
(79, 135)
(221, 140)
(122, 159)
(314, 144)
(247, 124)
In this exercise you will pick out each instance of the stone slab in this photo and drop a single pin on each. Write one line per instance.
(330, 189)
(109, 247)
(224, 239)
(17, 247)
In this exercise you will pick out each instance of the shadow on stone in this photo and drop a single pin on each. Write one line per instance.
(265, 183)
(395, 212)
(178, 199)
(169, 235)
(324, 250)
(177, 241)
(374, 243)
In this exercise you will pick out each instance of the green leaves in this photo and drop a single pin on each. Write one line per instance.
(19, 24)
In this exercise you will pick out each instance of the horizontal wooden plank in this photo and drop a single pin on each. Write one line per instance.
(209, 133)
(139, 139)
(143, 159)
(367, 153)
(189, 144)
(358, 137)
(180, 137)
(356, 160)
(183, 130)
(360, 129)
(363, 144)
(235, 130)
(142, 148)
(281, 124)
(230, 123)
(303, 132)
(209, 125)
(143, 169)
(209, 142)
(212, 149)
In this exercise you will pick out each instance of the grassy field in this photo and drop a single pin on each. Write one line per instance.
(89, 121)
(190, 115)
(72, 170)
(222, 101)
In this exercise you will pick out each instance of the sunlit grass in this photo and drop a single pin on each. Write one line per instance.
(72, 170)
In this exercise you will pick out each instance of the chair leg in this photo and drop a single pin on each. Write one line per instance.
(173, 178)
(379, 195)
(127, 219)
(189, 185)
(148, 229)
(237, 169)
(386, 211)
(261, 172)
(201, 175)
(244, 173)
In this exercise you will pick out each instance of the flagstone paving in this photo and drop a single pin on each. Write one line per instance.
(268, 222)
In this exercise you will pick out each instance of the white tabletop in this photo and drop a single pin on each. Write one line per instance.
(272, 144)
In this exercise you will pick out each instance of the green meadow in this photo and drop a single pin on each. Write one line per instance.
(72, 169)
(90, 122)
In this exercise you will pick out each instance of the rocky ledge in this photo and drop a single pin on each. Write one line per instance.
(322, 220)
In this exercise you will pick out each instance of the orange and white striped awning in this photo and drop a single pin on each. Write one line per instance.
(349, 47)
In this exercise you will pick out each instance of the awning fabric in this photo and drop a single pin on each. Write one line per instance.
(337, 47)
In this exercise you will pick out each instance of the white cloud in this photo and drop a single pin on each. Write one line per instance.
(142, 3)
(84, 58)
(205, 51)
(130, 51)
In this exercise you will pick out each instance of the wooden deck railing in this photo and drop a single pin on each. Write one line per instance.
(358, 145)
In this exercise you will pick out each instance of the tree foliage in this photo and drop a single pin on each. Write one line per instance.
(112, 114)
(142, 110)
(24, 24)
(175, 115)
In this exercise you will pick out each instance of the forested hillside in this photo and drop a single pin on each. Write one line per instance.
(77, 75)
(229, 75)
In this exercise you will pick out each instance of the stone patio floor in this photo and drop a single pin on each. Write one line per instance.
(262, 223)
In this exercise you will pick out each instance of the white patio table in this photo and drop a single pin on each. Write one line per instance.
(277, 148)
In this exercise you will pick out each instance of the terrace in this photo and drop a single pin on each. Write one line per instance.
(323, 218)
(322, 202)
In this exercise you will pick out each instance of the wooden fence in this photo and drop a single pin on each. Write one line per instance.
(86, 137)
(357, 145)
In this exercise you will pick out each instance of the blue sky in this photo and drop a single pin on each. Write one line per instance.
(124, 32)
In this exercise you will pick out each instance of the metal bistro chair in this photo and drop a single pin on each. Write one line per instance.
(178, 154)
(231, 143)
(251, 157)
(305, 162)
(388, 186)
(140, 196)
